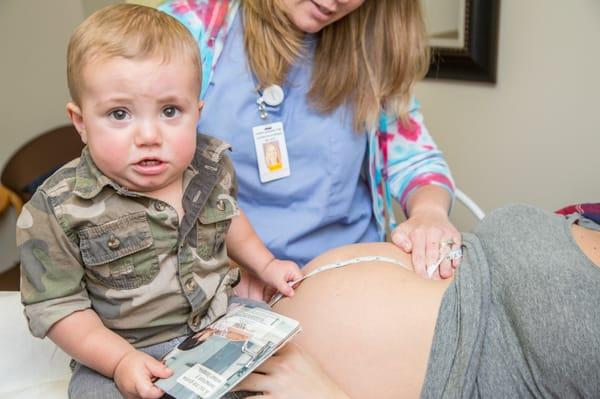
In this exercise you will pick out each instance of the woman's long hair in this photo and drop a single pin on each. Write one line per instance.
(369, 59)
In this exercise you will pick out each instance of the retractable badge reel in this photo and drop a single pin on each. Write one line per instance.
(271, 96)
(269, 138)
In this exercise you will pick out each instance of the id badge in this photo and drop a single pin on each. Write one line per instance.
(271, 152)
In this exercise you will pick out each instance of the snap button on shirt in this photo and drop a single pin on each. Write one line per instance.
(113, 242)
(190, 285)
(159, 206)
(196, 320)
(221, 205)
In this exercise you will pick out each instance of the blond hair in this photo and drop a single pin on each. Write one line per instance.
(129, 31)
(369, 59)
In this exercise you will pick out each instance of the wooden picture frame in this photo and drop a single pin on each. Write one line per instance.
(477, 58)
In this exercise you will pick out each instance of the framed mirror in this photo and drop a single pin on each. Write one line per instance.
(463, 35)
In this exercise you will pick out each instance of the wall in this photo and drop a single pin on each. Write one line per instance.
(33, 37)
(534, 137)
(33, 41)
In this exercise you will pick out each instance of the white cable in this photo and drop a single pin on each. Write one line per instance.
(469, 204)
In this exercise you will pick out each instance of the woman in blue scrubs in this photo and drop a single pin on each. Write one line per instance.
(329, 82)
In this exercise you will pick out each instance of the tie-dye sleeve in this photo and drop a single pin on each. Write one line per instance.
(413, 159)
(208, 21)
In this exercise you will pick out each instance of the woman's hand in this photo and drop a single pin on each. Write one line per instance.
(291, 374)
(428, 233)
(134, 375)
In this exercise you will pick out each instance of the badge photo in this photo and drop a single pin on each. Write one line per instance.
(271, 152)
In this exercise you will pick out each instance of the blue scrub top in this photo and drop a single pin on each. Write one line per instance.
(325, 202)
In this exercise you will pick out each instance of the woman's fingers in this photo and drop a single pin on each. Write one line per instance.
(430, 243)
(419, 245)
(400, 238)
(255, 382)
(291, 374)
(432, 248)
(447, 245)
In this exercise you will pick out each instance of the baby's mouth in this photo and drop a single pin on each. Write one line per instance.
(149, 162)
(150, 166)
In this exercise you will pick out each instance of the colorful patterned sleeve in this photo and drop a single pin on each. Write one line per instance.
(205, 20)
(413, 159)
(192, 14)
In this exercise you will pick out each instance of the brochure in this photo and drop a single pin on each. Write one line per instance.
(212, 361)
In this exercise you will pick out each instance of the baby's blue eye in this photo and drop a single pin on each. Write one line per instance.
(119, 114)
(170, 112)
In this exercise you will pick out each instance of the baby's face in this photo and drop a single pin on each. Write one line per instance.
(138, 118)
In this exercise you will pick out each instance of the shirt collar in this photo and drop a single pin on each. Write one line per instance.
(89, 180)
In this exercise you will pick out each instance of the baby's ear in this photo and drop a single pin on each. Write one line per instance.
(75, 115)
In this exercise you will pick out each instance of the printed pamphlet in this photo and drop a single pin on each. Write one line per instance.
(207, 364)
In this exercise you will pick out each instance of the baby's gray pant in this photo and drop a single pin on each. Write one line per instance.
(87, 383)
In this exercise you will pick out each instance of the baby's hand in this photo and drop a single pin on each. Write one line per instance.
(134, 375)
(278, 273)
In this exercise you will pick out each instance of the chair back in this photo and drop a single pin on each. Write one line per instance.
(37, 159)
(26, 169)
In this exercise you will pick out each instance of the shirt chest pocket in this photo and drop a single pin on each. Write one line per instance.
(120, 254)
(213, 224)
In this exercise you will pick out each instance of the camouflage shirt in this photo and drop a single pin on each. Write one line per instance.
(86, 242)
